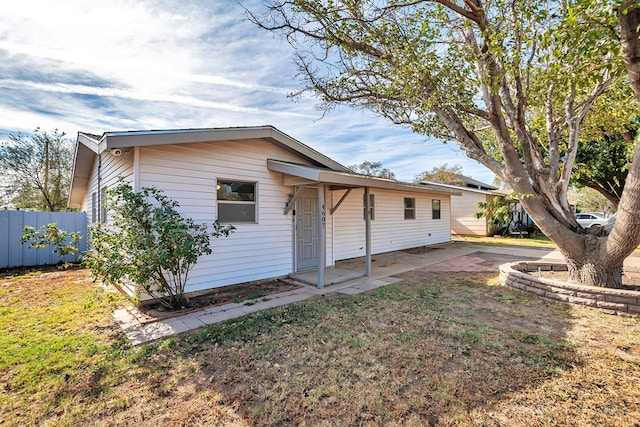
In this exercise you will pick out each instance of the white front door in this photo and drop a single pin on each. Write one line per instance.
(307, 230)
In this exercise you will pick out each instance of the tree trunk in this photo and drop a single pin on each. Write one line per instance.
(590, 258)
(592, 269)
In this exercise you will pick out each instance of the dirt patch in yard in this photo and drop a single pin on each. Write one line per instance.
(506, 311)
(420, 250)
(630, 280)
(247, 293)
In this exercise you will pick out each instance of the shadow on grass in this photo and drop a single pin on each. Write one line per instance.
(433, 349)
(436, 348)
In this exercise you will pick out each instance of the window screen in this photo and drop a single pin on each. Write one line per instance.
(435, 209)
(103, 205)
(236, 201)
(409, 208)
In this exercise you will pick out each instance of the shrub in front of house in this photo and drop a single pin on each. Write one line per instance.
(149, 243)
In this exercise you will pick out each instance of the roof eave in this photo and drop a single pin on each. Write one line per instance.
(350, 179)
(182, 136)
(87, 148)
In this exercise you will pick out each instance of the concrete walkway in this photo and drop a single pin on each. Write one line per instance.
(385, 266)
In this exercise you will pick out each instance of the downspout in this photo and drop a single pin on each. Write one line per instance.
(99, 193)
(136, 169)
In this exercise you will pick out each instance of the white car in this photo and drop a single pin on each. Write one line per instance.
(587, 220)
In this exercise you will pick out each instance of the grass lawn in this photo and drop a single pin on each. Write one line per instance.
(439, 349)
(538, 241)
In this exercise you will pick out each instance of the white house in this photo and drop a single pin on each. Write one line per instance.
(464, 208)
(463, 219)
(293, 207)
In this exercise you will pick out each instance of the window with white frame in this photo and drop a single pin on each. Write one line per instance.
(236, 201)
(372, 204)
(409, 208)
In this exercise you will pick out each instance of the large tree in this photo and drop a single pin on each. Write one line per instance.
(444, 174)
(607, 143)
(36, 170)
(602, 164)
(586, 199)
(373, 169)
(477, 73)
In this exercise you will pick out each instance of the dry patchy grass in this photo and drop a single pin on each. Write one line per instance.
(538, 241)
(438, 349)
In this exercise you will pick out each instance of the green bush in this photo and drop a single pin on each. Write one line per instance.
(149, 243)
(64, 241)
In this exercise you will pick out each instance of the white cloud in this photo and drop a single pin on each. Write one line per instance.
(124, 64)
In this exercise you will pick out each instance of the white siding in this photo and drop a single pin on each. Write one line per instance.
(389, 230)
(463, 208)
(188, 173)
(112, 168)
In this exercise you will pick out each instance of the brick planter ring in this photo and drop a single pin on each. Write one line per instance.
(612, 301)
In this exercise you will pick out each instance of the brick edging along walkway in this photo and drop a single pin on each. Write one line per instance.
(612, 301)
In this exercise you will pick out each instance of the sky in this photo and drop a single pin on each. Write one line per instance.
(112, 65)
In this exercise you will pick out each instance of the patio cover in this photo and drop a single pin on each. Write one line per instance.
(299, 175)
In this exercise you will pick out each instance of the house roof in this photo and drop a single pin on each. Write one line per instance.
(303, 174)
(85, 154)
(468, 189)
(89, 146)
(182, 136)
(468, 183)
(472, 183)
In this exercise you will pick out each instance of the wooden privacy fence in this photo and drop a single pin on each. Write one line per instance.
(14, 254)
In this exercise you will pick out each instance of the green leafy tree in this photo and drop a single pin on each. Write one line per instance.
(587, 199)
(373, 169)
(65, 242)
(497, 213)
(480, 74)
(603, 164)
(149, 243)
(443, 174)
(37, 170)
(499, 183)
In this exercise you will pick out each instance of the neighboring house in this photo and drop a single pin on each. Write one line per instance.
(472, 183)
(464, 207)
(293, 207)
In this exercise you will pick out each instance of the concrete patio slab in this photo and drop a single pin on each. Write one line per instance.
(332, 276)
